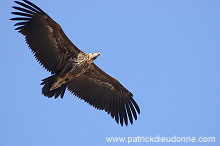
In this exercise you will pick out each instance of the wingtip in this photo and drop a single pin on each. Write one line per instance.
(16, 2)
(139, 111)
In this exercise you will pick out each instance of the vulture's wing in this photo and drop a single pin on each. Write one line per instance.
(45, 37)
(105, 93)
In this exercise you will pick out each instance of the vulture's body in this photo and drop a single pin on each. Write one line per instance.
(70, 67)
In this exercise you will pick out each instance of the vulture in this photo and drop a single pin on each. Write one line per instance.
(70, 67)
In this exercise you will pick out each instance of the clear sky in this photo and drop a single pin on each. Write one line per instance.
(165, 52)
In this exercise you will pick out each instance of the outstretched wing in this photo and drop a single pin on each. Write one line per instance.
(45, 37)
(105, 93)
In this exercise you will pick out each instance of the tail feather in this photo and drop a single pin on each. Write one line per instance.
(48, 82)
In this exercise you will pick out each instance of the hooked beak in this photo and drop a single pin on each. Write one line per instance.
(95, 55)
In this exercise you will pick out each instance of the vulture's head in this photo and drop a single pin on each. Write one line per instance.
(93, 56)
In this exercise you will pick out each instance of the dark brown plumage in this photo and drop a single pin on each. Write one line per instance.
(70, 67)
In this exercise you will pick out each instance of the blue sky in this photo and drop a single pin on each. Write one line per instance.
(165, 52)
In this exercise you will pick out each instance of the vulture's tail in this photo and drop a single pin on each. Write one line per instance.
(48, 83)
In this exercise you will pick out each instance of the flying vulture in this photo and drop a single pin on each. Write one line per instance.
(70, 67)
